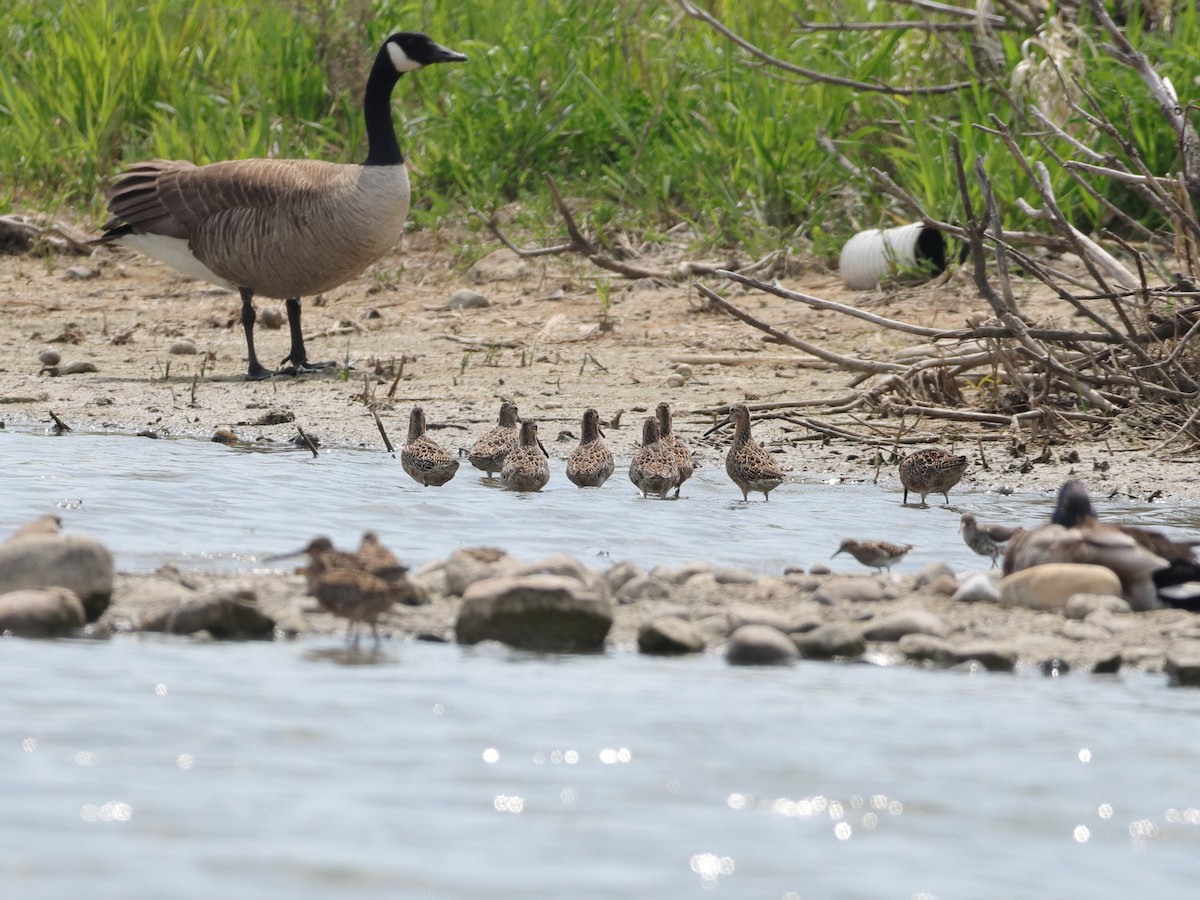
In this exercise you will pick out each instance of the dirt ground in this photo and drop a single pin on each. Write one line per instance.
(546, 339)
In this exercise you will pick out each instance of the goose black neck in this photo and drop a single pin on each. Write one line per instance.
(382, 147)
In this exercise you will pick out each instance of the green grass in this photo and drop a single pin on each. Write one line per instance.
(644, 118)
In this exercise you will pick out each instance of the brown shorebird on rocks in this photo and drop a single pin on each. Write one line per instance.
(488, 453)
(356, 595)
(653, 469)
(1076, 535)
(876, 554)
(670, 440)
(985, 538)
(931, 471)
(428, 462)
(526, 468)
(590, 464)
(748, 465)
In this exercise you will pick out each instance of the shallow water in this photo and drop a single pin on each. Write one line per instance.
(157, 767)
(204, 506)
(165, 768)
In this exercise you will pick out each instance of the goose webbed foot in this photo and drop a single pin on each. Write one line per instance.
(289, 367)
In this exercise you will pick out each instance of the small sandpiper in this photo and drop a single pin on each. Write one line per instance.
(670, 440)
(526, 468)
(876, 554)
(931, 471)
(428, 462)
(653, 468)
(590, 464)
(355, 595)
(488, 453)
(984, 538)
(748, 465)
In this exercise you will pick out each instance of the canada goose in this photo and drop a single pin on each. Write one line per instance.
(282, 228)
(931, 471)
(748, 465)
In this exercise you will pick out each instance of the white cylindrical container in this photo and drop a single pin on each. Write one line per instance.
(876, 253)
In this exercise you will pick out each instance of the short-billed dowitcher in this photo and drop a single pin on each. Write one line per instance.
(984, 538)
(590, 464)
(424, 459)
(931, 471)
(525, 468)
(670, 440)
(1075, 535)
(355, 595)
(876, 554)
(489, 451)
(653, 467)
(749, 466)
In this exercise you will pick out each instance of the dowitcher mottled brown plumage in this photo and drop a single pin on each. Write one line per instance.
(653, 468)
(748, 465)
(984, 538)
(428, 462)
(355, 595)
(931, 471)
(670, 440)
(876, 554)
(488, 453)
(590, 464)
(526, 468)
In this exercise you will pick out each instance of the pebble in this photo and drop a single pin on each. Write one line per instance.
(41, 612)
(79, 367)
(931, 573)
(183, 348)
(854, 590)
(760, 645)
(82, 273)
(270, 317)
(1080, 606)
(78, 563)
(921, 646)
(992, 656)
(669, 635)
(1050, 586)
(225, 436)
(465, 298)
(643, 587)
(617, 576)
(548, 613)
(49, 357)
(978, 588)
(896, 625)
(465, 567)
(834, 639)
(1182, 664)
(224, 617)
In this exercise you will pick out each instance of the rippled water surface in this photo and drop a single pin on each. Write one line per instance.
(160, 767)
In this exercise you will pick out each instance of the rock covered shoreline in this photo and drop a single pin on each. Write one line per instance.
(930, 619)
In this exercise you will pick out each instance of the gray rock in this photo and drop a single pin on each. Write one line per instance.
(734, 575)
(1109, 665)
(535, 612)
(819, 569)
(906, 621)
(978, 588)
(759, 645)
(741, 614)
(1080, 606)
(715, 627)
(643, 587)
(804, 583)
(499, 265)
(1050, 586)
(994, 657)
(617, 576)
(931, 573)
(565, 565)
(831, 640)
(921, 647)
(229, 615)
(1182, 664)
(465, 298)
(79, 367)
(465, 567)
(430, 579)
(183, 348)
(850, 589)
(80, 564)
(669, 635)
(680, 574)
(49, 357)
(41, 612)
(1084, 631)
(945, 585)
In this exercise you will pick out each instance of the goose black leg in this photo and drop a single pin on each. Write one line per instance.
(297, 357)
(256, 371)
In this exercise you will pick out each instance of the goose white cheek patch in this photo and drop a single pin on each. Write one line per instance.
(401, 60)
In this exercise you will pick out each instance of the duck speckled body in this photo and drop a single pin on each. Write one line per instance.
(670, 440)
(423, 458)
(931, 471)
(653, 468)
(489, 452)
(591, 463)
(526, 468)
(748, 465)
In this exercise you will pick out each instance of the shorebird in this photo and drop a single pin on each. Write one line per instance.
(590, 464)
(931, 471)
(355, 595)
(876, 554)
(1075, 535)
(427, 461)
(653, 469)
(526, 468)
(670, 440)
(984, 538)
(285, 228)
(489, 451)
(749, 466)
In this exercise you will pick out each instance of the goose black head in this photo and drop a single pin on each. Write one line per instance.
(409, 50)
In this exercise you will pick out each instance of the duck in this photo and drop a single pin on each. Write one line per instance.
(282, 228)
(1076, 535)
(526, 468)
(931, 471)
(748, 465)
(672, 441)
(591, 463)
(428, 462)
(653, 469)
(488, 453)
(876, 554)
